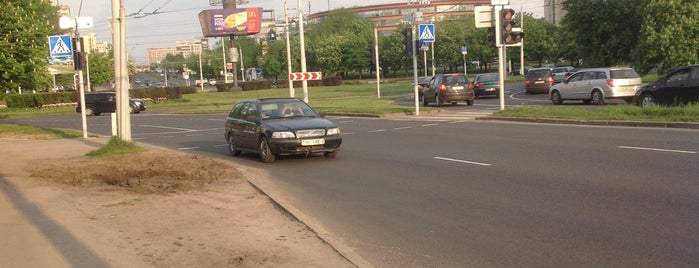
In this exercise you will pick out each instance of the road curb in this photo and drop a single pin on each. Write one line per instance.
(346, 252)
(656, 124)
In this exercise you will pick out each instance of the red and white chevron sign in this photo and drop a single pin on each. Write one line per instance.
(305, 76)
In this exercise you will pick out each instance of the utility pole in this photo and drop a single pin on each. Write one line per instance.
(121, 72)
(302, 45)
(288, 48)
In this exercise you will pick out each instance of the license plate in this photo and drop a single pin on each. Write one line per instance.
(490, 89)
(457, 87)
(539, 82)
(312, 142)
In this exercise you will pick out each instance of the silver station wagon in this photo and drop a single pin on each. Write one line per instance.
(597, 85)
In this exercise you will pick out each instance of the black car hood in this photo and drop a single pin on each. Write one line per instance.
(295, 123)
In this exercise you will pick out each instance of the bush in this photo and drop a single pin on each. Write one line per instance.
(37, 100)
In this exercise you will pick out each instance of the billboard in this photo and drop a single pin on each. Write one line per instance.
(232, 21)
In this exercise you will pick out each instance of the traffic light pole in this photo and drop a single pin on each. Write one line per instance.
(499, 43)
(415, 85)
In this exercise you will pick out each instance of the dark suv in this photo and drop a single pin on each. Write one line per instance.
(539, 80)
(448, 88)
(97, 103)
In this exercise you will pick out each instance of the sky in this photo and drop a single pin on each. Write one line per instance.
(177, 19)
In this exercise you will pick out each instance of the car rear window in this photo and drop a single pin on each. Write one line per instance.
(488, 77)
(539, 73)
(623, 73)
(453, 79)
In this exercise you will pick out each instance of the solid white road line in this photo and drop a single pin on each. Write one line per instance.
(462, 161)
(657, 150)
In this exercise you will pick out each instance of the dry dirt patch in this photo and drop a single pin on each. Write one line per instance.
(152, 172)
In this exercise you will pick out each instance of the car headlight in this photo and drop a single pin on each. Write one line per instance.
(333, 131)
(283, 135)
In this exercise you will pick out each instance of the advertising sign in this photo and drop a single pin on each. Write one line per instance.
(232, 21)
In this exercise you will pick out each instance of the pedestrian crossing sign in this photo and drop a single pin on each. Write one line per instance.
(426, 32)
(60, 46)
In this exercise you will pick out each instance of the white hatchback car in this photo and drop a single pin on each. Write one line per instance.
(596, 85)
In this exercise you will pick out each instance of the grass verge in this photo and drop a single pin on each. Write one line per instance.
(33, 132)
(689, 113)
(116, 146)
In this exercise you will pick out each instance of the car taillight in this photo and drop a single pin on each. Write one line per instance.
(443, 88)
(550, 81)
(610, 82)
(498, 83)
(479, 84)
(528, 83)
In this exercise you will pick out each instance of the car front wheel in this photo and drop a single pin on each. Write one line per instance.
(232, 146)
(89, 111)
(556, 98)
(265, 152)
(647, 100)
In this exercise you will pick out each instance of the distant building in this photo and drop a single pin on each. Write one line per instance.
(186, 48)
(157, 55)
(553, 11)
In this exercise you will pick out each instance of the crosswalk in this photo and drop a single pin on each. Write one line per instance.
(449, 115)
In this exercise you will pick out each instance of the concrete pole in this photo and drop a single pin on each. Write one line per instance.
(117, 63)
(126, 133)
(376, 61)
(302, 45)
(225, 63)
(288, 49)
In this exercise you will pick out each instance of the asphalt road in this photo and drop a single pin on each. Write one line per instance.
(441, 191)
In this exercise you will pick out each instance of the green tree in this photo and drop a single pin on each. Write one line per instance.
(101, 68)
(24, 27)
(450, 36)
(668, 35)
(604, 32)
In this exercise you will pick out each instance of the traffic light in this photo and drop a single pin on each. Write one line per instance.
(408, 41)
(507, 34)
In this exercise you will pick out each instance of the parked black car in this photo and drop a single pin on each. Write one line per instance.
(97, 103)
(448, 88)
(282, 126)
(678, 87)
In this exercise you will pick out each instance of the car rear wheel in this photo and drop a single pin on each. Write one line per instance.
(556, 98)
(597, 97)
(647, 100)
(265, 152)
(438, 100)
(89, 111)
(232, 146)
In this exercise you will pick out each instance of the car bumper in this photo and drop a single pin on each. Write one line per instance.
(295, 146)
(449, 97)
(487, 91)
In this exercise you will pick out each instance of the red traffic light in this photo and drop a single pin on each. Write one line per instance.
(507, 14)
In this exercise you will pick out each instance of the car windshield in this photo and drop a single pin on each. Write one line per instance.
(560, 70)
(623, 73)
(286, 109)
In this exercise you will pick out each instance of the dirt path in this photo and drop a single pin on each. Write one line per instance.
(61, 209)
